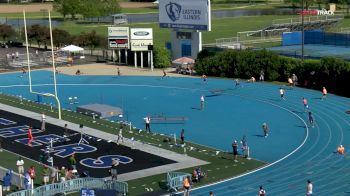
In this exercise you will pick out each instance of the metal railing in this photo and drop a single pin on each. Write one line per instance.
(74, 185)
(16, 178)
(309, 19)
(175, 179)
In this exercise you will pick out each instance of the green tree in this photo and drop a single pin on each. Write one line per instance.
(68, 7)
(61, 37)
(161, 57)
(6, 31)
(39, 34)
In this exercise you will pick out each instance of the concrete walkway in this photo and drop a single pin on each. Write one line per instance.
(183, 161)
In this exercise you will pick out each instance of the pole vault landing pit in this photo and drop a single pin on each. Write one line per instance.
(100, 110)
(94, 157)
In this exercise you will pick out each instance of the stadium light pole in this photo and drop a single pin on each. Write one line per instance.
(53, 67)
(302, 30)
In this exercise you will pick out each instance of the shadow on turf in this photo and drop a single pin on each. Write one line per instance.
(258, 135)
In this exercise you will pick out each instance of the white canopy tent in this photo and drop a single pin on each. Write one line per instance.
(72, 48)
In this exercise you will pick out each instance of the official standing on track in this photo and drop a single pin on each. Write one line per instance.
(148, 123)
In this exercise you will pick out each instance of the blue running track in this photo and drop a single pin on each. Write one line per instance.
(294, 151)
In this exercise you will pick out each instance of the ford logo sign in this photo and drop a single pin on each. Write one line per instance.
(141, 33)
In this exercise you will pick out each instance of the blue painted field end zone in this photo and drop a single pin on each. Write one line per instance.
(228, 114)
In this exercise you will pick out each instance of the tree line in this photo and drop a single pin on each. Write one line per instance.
(330, 72)
(86, 8)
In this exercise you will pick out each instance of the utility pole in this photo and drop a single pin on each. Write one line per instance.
(302, 30)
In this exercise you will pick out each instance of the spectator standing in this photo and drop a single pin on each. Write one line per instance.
(54, 174)
(62, 174)
(265, 128)
(72, 161)
(186, 186)
(20, 165)
(7, 181)
(27, 181)
(45, 174)
(31, 172)
(235, 150)
(113, 171)
(309, 188)
(182, 136)
(148, 123)
(43, 119)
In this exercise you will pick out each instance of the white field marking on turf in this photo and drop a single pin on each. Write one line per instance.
(268, 165)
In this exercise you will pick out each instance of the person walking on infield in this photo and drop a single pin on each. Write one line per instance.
(120, 136)
(147, 123)
(265, 129)
(309, 188)
(43, 119)
(282, 92)
(235, 150)
(324, 93)
(311, 120)
(262, 191)
(118, 71)
(202, 102)
(30, 136)
(182, 136)
(306, 106)
(186, 186)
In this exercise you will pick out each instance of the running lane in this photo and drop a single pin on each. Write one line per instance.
(315, 160)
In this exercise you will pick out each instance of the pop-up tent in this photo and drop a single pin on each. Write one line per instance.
(72, 48)
(183, 61)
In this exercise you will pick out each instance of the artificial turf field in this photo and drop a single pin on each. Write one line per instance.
(14, 137)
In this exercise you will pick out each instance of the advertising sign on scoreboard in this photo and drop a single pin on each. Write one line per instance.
(118, 37)
(185, 14)
(141, 39)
